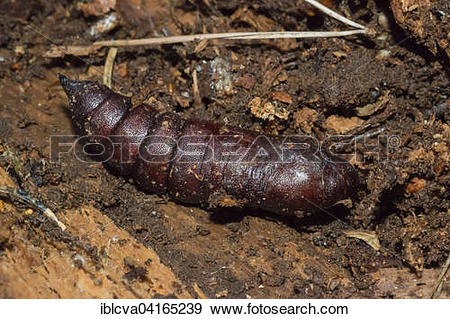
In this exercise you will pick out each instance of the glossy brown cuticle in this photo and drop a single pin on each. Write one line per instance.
(308, 182)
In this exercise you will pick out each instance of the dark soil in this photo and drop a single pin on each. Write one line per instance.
(388, 83)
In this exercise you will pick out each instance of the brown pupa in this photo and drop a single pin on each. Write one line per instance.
(203, 162)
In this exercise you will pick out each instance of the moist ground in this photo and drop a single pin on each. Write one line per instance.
(391, 85)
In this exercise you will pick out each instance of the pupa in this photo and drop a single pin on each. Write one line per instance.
(204, 162)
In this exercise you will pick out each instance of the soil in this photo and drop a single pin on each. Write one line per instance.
(390, 241)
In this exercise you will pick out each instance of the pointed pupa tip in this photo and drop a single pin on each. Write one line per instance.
(63, 79)
(65, 82)
(69, 86)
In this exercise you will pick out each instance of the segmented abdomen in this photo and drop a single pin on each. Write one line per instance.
(191, 161)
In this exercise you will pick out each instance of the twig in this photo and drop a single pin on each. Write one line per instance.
(109, 66)
(195, 89)
(335, 15)
(228, 36)
(356, 138)
(439, 282)
(22, 197)
(86, 50)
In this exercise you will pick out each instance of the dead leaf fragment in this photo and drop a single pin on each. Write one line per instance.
(282, 97)
(371, 108)
(222, 294)
(340, 54)
(228, 202)
(268, 111)
(96, 7)
(416, 185)
(370, 238)
(342, 124)
(121, 69)
(246, 81)
(420, 154)
(305, 119)
(255, 104)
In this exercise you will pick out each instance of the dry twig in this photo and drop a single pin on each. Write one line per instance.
(22, 197)
(334, 14)
(440, 281)
(227, 36)
(77, 50)
(109, 64)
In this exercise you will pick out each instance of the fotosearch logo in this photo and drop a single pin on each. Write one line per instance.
(222, 148)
